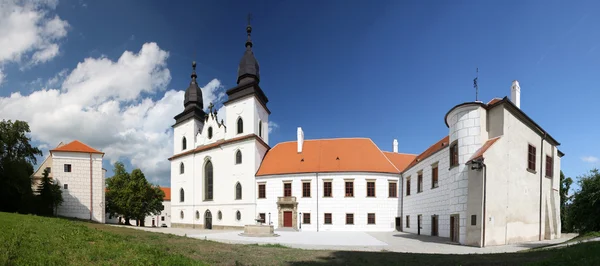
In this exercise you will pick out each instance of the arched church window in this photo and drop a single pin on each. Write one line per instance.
(181, 168)
(197, 215)
(208, 181)
(181, 195)
(238, 157)
(183, 144)
(260, 128)
(210, 133)
(220, 215)
(240, 125)
(181, 214)
(238, 215)
(238, 191)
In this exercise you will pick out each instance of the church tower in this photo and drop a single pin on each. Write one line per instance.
(246, 106)
(191, 120)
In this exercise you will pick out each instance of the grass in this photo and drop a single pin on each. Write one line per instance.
(32, 240)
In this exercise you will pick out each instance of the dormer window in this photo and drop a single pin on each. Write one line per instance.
(240, 125)
(210, 133)
(183, 144)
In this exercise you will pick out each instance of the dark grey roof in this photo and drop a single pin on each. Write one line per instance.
(193, 94)
(248, 65)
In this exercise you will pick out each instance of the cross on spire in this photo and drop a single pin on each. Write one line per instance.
(210, 107)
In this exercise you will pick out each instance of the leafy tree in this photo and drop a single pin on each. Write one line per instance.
(50, 195)
(584, 211)
(17, 158)
(131, 196)
(565, 185)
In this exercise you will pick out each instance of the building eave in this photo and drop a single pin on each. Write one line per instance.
(220, 143)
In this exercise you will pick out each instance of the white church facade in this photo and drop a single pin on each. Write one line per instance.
(492, 180)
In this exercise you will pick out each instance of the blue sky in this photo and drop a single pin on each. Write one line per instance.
(377, 69)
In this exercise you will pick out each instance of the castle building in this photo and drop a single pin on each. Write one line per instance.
(77, 168)
(492, 180)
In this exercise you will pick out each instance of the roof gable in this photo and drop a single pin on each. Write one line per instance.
(76, 146)
(443, 143)
(400, 160)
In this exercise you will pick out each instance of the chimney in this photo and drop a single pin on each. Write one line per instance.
(395, 145)
(515, 93)
(300, 139)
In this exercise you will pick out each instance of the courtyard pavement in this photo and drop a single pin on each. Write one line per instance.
(354, 241)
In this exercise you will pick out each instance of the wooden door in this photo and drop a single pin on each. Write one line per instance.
(454, 228)
(398, 223)
(434, 225)
(287, 219)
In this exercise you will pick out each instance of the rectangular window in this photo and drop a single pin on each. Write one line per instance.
(370, 218)
(306, 190)
(66, 186)
(408, 186)
(473, 219)
(531, 158)
(434, 177)
(306, 218)
(262, 193)
(349, 189)
(67, 168)
(392, 187)
(407, 221)
(420, 182)
(349, 218)
(162, 218)
(371, 189)
(454, 154)
(262, 217)
(328, 218)
(549, 166)
(287, 189)
(327, 189)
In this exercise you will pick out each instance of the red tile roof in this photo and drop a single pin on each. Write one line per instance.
(326, 155)
(400, 160)
(167, 191)
(479, 153)
(443, 143)
(76, 146)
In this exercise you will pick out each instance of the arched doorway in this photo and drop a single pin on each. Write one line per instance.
(207, 220)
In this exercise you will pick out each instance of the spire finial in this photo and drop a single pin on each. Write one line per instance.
(194, 76)
(475, 85)
(249, 31)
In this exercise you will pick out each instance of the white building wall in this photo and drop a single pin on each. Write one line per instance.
(439, 201)
(385, 208)
(246, 109)
(163, 218)
(187, 129)
(226, 174)
(79, 192)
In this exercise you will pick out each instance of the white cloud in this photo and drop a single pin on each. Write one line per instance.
(590, 159)
(1, 77)
(272, 126)
(107, 104)
(29, 35)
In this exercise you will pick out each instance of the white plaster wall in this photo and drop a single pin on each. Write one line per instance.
(513, 192)
(225, 176)
(166, 213)
(77, 197)
(244, 108)
(188, 129)
(385, 208)
(261, 116)
(219, 132)
(439, 201)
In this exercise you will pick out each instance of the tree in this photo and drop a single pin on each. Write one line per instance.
(50, 195)
(584, 211)
(565, 185)
(17, 158)
(131, 196)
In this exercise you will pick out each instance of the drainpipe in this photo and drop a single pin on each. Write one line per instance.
(91, 190)
(401, 202)
(484, 201)
(317, 202)
(541, 180)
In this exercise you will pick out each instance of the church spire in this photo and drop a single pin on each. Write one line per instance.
(193, 94)
(248, 70)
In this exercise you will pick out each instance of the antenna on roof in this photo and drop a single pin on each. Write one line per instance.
(476, 86)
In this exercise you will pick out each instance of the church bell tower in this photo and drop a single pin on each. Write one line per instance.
(191, 120)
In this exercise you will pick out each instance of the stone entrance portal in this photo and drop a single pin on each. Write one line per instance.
(287, 208)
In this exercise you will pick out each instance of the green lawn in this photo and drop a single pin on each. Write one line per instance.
(32, 240)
